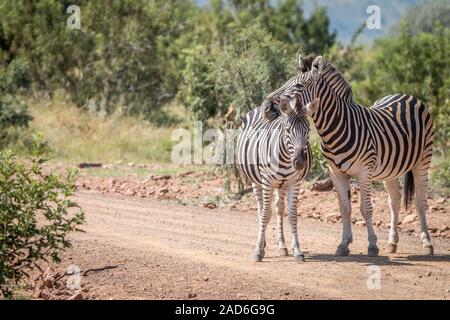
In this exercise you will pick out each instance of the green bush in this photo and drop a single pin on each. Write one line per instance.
(36, 215)
(440, 175)
(13, 113)
(319, 167)
(238, 76)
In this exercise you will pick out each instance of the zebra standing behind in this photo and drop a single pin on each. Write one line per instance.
(276, 155)
(392, 138)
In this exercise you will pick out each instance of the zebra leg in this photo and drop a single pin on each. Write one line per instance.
(264, 217)
(341, 182)
(393, 189)
(365, 185)
(292, 214)
(421, 186)
(257, 192)
(280, 206)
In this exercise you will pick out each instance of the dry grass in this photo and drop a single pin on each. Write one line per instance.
(76, 135)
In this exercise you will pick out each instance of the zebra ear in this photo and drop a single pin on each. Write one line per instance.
(312, 107)
(317, 67)
(304, 64)
(285, 106)
(269, 109)
(301, 63)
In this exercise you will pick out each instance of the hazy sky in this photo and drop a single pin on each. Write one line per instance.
(347, 15)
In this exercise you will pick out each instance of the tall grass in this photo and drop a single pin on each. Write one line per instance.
(76, 135)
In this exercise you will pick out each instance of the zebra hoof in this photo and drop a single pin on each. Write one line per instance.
(429, 251)
(300, 257)
(257, 257)
(342, 251)
(391, 248)
(373, 251)
(283, 252)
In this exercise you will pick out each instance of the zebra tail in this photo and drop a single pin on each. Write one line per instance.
(408, 189)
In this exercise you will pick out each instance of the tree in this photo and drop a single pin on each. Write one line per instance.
(424, 16)
(13, 112)
(239, 76)
(316, 36)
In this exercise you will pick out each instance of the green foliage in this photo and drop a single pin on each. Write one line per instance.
(197, 92)
(124, 58)
(13, 112)
(440, 175)
(237, 77)
(285, 21)
(316, 37)
(34, 215)
(424, 16)
(319, 167)
(128, 55)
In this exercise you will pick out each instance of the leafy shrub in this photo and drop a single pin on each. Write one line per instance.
(13, 113)
(14, 77)
(34, 215)
(440, 175)
(239, 76)
(319, 167)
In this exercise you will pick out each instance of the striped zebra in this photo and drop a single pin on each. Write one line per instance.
(276, 155)
(392, 138)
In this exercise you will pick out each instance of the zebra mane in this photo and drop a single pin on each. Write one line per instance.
(336, 81)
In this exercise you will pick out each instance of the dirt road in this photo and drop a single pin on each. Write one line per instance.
(169, 251)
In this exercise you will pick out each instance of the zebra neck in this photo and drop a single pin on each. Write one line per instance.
(282, 149)
(332, 116)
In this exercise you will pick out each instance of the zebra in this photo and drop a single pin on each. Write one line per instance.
(391, 139)
(276, 155)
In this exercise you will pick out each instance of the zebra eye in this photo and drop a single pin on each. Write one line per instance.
(299, 86)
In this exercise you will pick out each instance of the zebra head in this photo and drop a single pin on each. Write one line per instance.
(295, 130)
(303, 85)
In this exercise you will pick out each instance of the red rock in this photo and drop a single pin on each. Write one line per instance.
(76, 296)
(45, 295)
(210, 205)
(409, 219)
(163, 190)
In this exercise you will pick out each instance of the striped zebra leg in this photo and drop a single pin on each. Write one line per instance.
(280, 206)
(365, 185)
(292, 214)
(393, 189)
(257, 192)
(421, 186)
(341, 182)
(264, 218)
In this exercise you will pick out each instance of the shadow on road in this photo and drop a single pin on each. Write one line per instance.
(380, 260)
(358, 258)
(436, 258)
